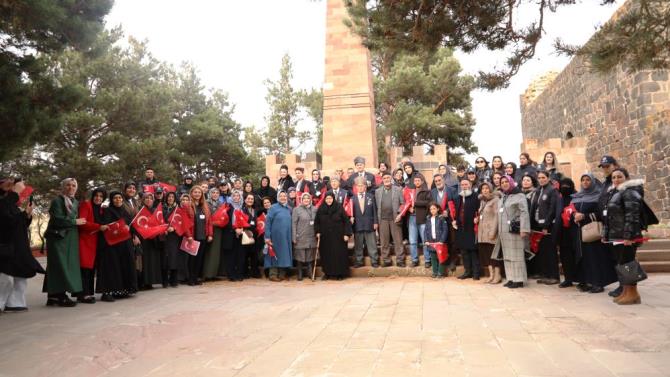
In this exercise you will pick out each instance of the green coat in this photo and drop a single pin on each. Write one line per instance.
(63, 274)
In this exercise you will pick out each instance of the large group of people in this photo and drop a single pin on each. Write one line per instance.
(501, 221)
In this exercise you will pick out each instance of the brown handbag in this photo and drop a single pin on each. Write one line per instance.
(592, 231)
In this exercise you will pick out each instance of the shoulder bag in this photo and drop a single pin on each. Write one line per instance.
(592, 231)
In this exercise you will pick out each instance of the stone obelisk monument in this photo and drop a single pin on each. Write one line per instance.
(349, 127)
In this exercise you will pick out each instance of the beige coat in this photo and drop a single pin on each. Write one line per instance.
(487, 231)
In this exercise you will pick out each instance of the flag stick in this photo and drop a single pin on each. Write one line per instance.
(316, 256)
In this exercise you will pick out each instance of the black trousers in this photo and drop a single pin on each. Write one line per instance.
(87, 281)
(548, 258)
(196, 262)
(235, 260)
(568, 259)
(471, 262)
(250, 264)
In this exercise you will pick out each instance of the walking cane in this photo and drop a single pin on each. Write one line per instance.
(316, 256)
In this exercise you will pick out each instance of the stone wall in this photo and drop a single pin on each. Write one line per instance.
(427, 164)
(273, 163)
(626, 115)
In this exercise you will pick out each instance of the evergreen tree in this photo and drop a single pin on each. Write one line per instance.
(31, 103)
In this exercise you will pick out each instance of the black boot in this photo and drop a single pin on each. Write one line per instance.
(299, 268)
(174, 281)
(164, 278)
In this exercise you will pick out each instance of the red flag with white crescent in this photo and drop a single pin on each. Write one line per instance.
(441, 249)
(181, 221)
(260, 224)
(147, 225)
(220, 217)
(116, 232)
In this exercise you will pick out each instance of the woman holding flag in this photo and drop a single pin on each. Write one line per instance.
(172, 239)
(202, 232)
(247, 222)
(220, 219)
(90, 239)
(233, 251)
(333, 230)
(116, 259)
(148, 226)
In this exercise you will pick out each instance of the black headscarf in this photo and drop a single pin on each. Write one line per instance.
(116, 213)
(97, 208)
(328, 210)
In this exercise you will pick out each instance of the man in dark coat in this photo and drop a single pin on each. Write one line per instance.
(185, 188)
(149, 180)
(369, 178)
(339, 192)
(466, 207)
(607, 164)
(365, 224)
(17, 263)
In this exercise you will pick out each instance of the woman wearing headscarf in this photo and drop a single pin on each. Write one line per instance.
(249, 253)
(545, 209)
(597, 265)
(513, 230)
(487, 230)
(278, 236)
(623, 223)
(410, 171)
(318, 186)
(228, 236)
(90, 239)
(17, 264)
(116, 263)
(528, 185)
(152, 253)
(304, 240)
(568, 243)
(266, 190)
(63, 273)
(213, 252)
(172, 242)
(249, 189)
(510, 169)
(202, 232)
(333, 230)
(398, 179)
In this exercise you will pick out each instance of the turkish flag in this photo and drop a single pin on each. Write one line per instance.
(348, 207)
(190, 247)
(25, 194)
(150, 188)
(535, 238)
(260, 224)
(116, 232)
(378, 180)
(147, 225)
(181, 221)
(220, 218)
(158, 215)
(319, 199)
(241, 219)
(442, 250)
(567, 214)
(408, 195)
(167, 187)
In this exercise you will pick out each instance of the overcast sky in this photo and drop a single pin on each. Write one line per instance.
(236, 45)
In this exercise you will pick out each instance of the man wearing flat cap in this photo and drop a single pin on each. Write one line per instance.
(359, 163)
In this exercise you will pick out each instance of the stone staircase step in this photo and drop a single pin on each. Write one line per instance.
(653, 267)
(656, 244)
(653, 255)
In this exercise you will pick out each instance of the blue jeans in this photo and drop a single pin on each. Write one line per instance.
(416, 232)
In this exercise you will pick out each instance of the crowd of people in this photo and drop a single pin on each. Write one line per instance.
(501, 221)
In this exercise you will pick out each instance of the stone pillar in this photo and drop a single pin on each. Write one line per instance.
(349, 127)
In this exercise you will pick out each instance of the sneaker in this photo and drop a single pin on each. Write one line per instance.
(415, 263)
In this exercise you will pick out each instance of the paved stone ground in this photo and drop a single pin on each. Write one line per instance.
(359, 327)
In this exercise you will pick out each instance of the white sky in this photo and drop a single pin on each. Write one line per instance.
(236, 45)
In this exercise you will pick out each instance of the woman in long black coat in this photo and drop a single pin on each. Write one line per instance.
(597, 267)
(333, 230)
(545, 210)
(467, 205)
(18, 264)
(172, 240)
(116, 275)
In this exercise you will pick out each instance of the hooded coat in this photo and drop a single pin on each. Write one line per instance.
(624, 204)
(14, 231)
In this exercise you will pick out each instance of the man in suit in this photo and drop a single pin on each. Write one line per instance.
(365, 223)
(368, 178)
(442, 195)
(389, 200)
(339, 192)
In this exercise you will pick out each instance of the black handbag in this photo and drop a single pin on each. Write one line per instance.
(630, 273)
(515, 226)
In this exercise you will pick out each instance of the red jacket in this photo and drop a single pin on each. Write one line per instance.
(88, 236)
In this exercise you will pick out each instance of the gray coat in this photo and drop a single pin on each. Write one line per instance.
(303, 227)
(397, 200)
(515, 207)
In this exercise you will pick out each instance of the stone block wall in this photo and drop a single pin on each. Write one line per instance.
(274, 162)
(427, 164)
(622, 114)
